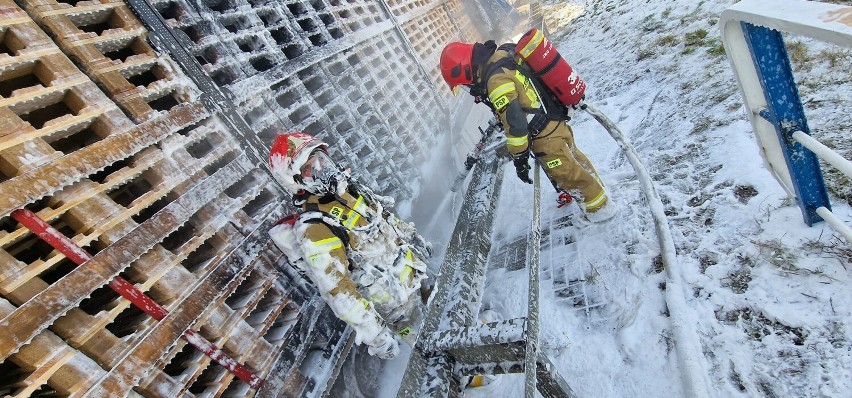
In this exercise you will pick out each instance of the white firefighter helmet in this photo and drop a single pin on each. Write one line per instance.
(300, 161)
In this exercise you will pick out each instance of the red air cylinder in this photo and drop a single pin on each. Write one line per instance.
(550, 67)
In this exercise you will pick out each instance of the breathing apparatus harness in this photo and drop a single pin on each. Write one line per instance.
(552, 108)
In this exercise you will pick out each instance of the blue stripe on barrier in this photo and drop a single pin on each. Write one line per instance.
(785, 112)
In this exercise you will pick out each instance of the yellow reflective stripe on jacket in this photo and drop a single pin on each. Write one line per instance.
(593, 204)
(325, 245)
(405, 275)
(381, 298)
(353, 216)
(538, 37)
(516, 141)
(502, 89)
(355, 311)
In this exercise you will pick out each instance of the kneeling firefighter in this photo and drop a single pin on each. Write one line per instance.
(367, 264)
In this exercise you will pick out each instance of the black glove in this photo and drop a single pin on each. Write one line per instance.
(468, 164)
(522, 166)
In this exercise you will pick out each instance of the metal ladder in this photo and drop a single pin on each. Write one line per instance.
(453, 343)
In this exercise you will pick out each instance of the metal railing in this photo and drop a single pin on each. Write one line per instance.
(751, 33)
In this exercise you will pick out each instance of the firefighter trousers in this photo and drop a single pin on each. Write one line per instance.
(567, 166)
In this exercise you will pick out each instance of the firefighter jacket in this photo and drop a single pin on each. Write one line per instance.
(361, 259)
(513, 98)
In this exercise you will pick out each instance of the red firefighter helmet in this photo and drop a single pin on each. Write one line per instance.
(300, 161)
(457, 64)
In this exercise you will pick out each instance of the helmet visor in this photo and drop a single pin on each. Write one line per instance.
(319, 169)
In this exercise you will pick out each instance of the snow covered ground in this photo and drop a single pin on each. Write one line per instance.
(769, 297)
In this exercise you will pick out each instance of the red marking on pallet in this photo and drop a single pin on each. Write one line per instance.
(75, 253)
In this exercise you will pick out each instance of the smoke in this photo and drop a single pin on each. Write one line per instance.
(435, 209)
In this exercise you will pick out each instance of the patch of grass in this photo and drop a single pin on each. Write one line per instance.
(720, 96)
(693, 16)
(757, 326)
(667, 40)
(835, 246)
(832, 57)
(695, 38)
(657, 265)
(707, 260)
(717, 49)
(593, 275)
(784, 257)
(837, 182)
(713, 21)
(645, 53)
(797, 51)
(670, 68)
(651, 24)
(698, 200)
(667, 13)
(836, 334)
(724, 184)
(738, 280)
(705, 216)
(701, 124)
(744, 193)
(810, 84)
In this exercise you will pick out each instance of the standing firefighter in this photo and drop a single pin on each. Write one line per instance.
(493, 76)
(365, 262)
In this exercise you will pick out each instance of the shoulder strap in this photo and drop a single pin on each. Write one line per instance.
(554, 109)
(508, 47)
(505, 62)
